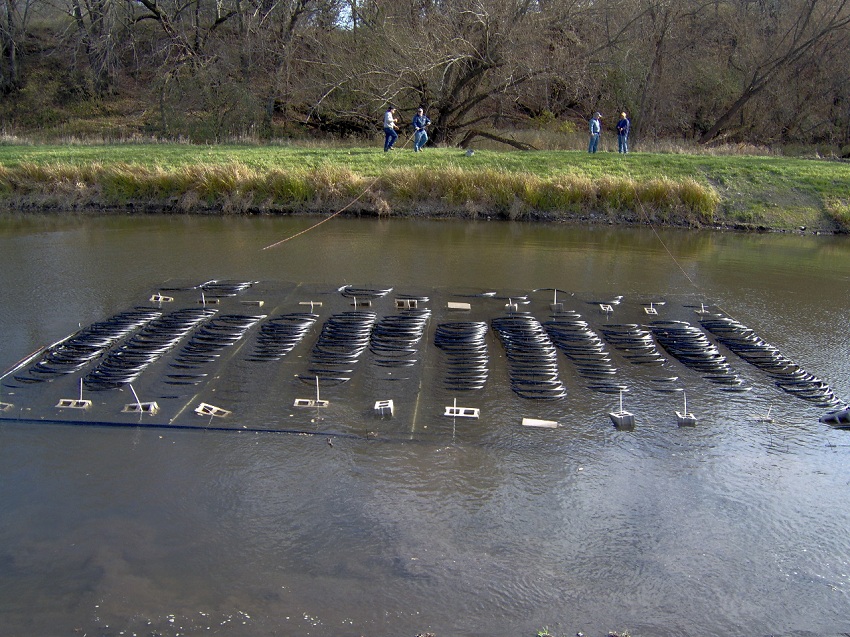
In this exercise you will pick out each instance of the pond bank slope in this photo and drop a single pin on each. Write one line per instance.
(729, 191)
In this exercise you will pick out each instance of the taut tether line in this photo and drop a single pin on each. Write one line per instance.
(338, 212)
(316, 225)
(673, 258)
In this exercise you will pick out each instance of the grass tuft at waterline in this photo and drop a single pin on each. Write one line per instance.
(675, 189)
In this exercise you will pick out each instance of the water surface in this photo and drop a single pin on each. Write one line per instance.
(469, 528)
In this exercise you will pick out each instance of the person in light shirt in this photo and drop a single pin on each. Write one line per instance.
(390, 128)
(595, 132)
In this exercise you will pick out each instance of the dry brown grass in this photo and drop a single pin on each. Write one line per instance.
(236, 187)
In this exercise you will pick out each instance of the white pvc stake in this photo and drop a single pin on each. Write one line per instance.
(136, 396)
(318, 403)
(454, 419)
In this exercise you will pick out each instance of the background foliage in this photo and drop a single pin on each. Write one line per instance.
(771, 73)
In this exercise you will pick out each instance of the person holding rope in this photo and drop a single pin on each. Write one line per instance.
(390, 128)
(420, 136)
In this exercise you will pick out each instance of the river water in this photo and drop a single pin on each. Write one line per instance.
(427, 523)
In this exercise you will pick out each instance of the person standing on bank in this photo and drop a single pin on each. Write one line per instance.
(390, 128)
(595, 132)
(623, 128)
(420, 136)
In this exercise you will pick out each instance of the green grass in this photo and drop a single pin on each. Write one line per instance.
(839, 210)
(776, 192)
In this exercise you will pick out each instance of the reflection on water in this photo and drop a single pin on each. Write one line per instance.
(733, 527)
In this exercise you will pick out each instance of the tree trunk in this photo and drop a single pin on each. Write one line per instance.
(10, 72)
(730, 113)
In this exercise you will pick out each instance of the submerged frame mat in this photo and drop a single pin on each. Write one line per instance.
(368, 361)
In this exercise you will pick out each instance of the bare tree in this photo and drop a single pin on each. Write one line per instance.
(791, 32)
(187, 26)
(468, 62)
(96, 31)
(766, 71)
(276, 42)
(14, 16)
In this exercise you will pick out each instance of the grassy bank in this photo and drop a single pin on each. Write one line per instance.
(682, 189)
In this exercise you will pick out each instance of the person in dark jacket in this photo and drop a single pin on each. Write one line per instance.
(420, 135)
(623, 128)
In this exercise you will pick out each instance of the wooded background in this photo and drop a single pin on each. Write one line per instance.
(766, 72)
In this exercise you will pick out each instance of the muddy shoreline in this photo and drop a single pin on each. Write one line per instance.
(49, 206)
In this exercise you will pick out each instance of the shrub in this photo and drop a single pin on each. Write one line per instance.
(700, 199)
(618, 194)
(288, 187)
(839, 211)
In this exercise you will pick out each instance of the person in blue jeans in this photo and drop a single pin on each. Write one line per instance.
(623, 128)
(595, 132)
(420, 136)
(390, 128)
